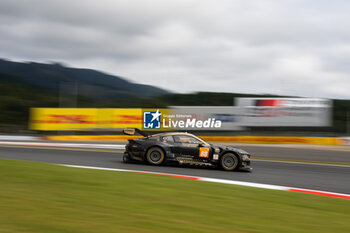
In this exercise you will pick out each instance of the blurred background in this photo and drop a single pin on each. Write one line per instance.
(275, 74)
(243, 56)
(40, 98)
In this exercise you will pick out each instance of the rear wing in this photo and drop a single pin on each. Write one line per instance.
(132, 131)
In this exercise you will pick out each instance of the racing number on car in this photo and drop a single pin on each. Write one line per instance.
(204, 152)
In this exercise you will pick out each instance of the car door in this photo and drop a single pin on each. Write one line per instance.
(174, 148)
(185, 145)
(203, 150)
(191, 147)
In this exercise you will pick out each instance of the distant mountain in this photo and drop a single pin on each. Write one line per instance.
(86, 82)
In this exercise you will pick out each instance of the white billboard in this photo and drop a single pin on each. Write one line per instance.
(288, 112)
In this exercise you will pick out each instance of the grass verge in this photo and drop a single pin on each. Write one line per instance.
(37, 197)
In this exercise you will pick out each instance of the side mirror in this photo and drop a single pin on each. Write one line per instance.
(201, 144)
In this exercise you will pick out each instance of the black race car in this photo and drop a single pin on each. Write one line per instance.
(183, 148)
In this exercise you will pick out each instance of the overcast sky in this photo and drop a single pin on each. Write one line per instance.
(287, 47)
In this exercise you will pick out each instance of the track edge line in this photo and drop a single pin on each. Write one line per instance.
(222, 181)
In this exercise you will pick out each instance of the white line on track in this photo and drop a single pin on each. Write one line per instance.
(223, 181)
(306, 163)
(64, 145)
(19, 138)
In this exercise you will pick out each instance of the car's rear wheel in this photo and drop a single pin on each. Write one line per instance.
(155, 156)
(229, 162)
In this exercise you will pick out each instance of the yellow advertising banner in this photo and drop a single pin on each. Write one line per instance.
(127, 117)
(74, 119)
(63, 118)
(104, 118)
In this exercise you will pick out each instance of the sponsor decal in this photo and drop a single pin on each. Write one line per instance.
(215, 156)
(204, 152)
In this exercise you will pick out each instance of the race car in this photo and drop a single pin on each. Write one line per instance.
(183, 148)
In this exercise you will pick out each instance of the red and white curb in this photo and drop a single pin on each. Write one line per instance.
(64, 145)
(223, 181)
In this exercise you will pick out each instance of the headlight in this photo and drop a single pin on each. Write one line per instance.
(245, 157)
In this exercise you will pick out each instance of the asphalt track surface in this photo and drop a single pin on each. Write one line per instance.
(308, 176)
(312, 153)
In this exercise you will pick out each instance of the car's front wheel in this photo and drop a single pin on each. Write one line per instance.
(229, 162)
(155, 156)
